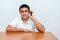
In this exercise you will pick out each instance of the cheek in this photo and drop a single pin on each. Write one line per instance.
(21, 14)
(27, 13)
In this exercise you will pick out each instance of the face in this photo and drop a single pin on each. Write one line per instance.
(24, 12)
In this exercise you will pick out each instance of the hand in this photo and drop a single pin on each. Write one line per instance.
(32, 16)
(26, 30)
(20, 29)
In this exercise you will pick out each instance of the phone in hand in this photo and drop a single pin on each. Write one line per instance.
(30, 14)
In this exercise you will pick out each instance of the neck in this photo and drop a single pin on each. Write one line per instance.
(25, 20)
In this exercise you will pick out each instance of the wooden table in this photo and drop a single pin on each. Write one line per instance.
(26, 36)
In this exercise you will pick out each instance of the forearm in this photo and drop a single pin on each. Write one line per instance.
(10, 28)
(15, 29)
(39, 26)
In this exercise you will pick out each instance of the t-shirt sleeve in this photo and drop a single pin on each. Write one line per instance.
(13, 23)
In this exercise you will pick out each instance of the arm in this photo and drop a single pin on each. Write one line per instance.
(39, 26)
(12, 29)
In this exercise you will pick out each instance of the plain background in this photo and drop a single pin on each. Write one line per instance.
(46, 12)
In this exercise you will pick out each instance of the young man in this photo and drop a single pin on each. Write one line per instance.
(25, 23)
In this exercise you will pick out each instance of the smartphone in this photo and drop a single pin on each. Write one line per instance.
(30, 14)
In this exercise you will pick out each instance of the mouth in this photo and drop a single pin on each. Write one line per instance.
(24, 15)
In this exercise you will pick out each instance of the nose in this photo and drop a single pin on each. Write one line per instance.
(23, 12)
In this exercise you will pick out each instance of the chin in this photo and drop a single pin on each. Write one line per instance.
(24, 17)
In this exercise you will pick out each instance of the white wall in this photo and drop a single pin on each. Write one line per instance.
(46, 11)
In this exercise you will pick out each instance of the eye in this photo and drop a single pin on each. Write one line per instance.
(21, 11)
(26, 11)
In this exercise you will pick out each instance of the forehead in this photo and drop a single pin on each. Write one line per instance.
(24, 8)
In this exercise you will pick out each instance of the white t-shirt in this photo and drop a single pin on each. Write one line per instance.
(18, 23)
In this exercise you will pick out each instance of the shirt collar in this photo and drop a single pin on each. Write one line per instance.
(26, 22)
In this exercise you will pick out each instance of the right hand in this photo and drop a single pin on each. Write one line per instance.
(26, 30)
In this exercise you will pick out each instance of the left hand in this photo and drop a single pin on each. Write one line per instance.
(32, 16)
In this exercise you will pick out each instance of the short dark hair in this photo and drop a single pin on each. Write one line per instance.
(24, 5)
